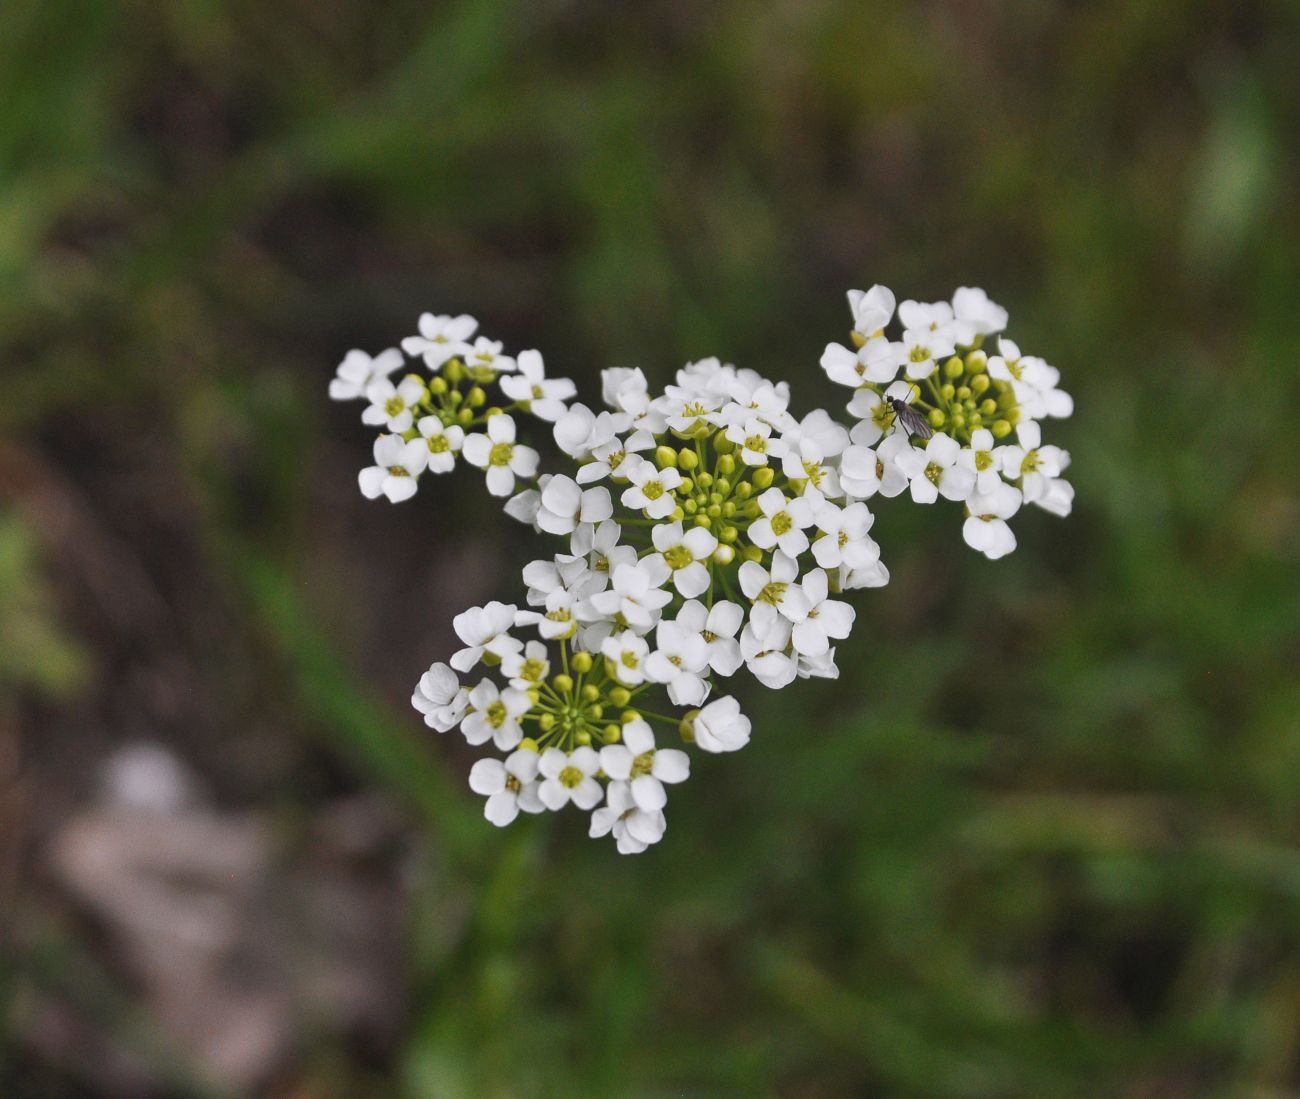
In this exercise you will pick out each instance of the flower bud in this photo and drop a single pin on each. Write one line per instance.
(726, 466)
(1001, 429)
(454, 371)
(677, 515)
(954, 367)
(464, 417)
(728, 509)
(534, 695)
(595, 711)
(723, 445)
(687, 458)
(546, 723)
(590, 693)
(528, 744)
(583, 737)
(476, 397)
(690, 507)
(629, 715)
(455, 397)
(704, 478)
(562, 683)
(703, 518)
(744, 490)
(714, 511)
(620, 696)
(438, 386)
(963, 392)
(763, 477)
(979, 383)
(752, 553)
(581, 662)
(724, 555)
(936, 417)
(989, 406)
(947, 391)
(728, 534)
(723, 487)
(976, 362)
(687, 726)
(611, 733)
(665, 456)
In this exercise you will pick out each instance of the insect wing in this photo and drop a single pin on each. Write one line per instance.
(911, 420)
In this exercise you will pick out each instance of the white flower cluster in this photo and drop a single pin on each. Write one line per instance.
(708, 529)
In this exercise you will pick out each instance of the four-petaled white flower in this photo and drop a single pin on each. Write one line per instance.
(872, 309)
(440, 698)
(827, 619)
(773, 592)
(358, 372)
(542, 396)
(634, 829)
(972, 306)
(644, 767)
(986, 529)
(484, 629)
(392, 406)
(443, 443)
(921, 351)
(844, 540)
(782, 522)
(652, 490)
(627, 654)
(569, 777)
(635, 594)
(721, 727)
(495, 715)
(685, 553)
(679, 661)
(441, 338)
(499, 454)
(717, 626)
(486, 354)
(397, 465)
(565, 504)
(509, 786)
(935, 471)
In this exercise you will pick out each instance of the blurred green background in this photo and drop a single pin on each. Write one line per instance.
(1041, 839)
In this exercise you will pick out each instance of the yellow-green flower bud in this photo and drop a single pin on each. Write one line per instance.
(724, 555)
(677, 515)
(690, 507)
(590, 692)
(752, 553)
(629, 715)
(534, 695)
(744, 490)
(728, 509)
(958, 421)
(465, 416)
(562, 683)
(722, 487)
(954, 367)
(620, 696)
(963, 392)
(859, 340)
(763, 477)
(702, 518)
(612, 734)
(438, 386)
(528, 744)
(979, 383)
(546, 722)
(665, 456)
(687, 458)
(595, 711)
(989, 406)
(947, 391)
(455, 398)
(1001, 429)
(454, 371)
(936, 417)
(715, 498)
(726, 466)
(581, 662)
(714, 512)
(491, 659)
(493, 411)
(724, 446)
(976, 362)
(476, 397)
(704, 479)
(728, 534)
(583, 737)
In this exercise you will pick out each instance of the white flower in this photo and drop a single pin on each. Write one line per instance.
(782, 522)
(983, 459)
(443, 442)
(580, 431)
(651, 489)
(484, 630)
(679, 661)
(972, 306)
(627, 654)
(565, 504)
(721, 727)
(1038, 468)
(440, 338)
(926, 316)
(441, 698)
(542, 396)
(633, 828)
(893, 478)
(397, 465)
(874, 575)
(717, 626)
(498, 453)
(935, 471)
(509, 787)
(635, 593)
(599, 545)
(873, 413)
(827, 618)
(845, 542)
(528, 668)
(810, 443)
(872, 309)
(921, 351)
(392, 405)
(986, 528)
(358, 372)
(1033, 382)
(773, 593)
(685, 554)
(496, 715)
(876, 361)
(860, 471)
(754, 437)
(644, 767)
(570, 777)
(619, 383)
(818, 667)
(524, 506)
(486, 354)
(765, 652)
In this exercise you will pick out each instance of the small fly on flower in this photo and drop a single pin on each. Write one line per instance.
(913, 422)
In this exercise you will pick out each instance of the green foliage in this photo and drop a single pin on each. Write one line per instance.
(1041, 839)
